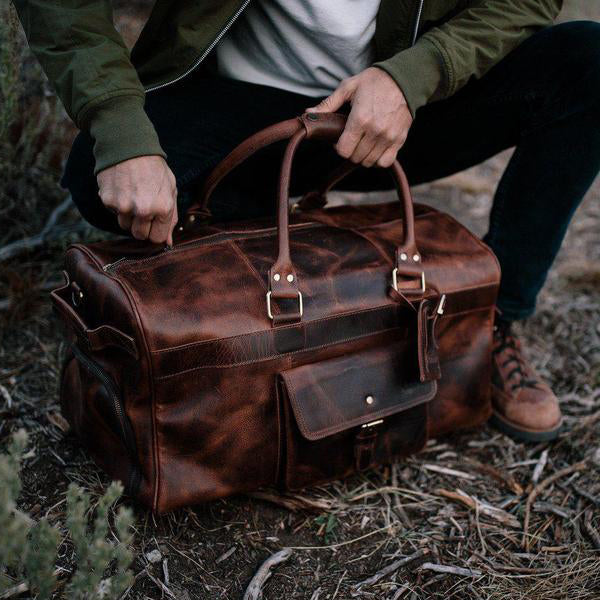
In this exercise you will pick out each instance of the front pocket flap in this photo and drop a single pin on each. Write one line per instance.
(337, 394)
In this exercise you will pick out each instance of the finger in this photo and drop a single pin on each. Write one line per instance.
(351, 136)
(161, 229)
(363, 149)
(336, 100)
(375, 154)
(387, 159)
(124, 221)
(173, 225)
(140, 228)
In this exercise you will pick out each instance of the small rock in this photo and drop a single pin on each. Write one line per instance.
(154, 556)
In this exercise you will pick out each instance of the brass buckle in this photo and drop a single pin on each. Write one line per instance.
(300, 304)
(395, 281)
(372, 424)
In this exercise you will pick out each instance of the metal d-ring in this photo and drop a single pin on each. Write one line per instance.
(395, 280)
(300, 304)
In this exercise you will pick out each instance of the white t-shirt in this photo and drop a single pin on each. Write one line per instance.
(304, 46)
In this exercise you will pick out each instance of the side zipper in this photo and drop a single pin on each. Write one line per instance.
(206, 52)
(207, 241)
(126, 432)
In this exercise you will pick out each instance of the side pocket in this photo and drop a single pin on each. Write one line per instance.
(92, 403)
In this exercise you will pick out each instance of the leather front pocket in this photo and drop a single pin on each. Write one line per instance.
(351, 413)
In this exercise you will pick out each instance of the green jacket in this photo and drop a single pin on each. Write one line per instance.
(103, 85)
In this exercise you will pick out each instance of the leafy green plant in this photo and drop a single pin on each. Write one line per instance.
(28, 549)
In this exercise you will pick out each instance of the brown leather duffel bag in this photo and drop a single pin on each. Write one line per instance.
(259, 354)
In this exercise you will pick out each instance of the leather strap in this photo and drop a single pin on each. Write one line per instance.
(100, 338)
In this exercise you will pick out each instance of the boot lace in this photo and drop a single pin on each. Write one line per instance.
(507, 344)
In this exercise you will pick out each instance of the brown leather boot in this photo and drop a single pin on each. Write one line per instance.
(524, 407)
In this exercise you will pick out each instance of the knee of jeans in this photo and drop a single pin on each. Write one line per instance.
(579, 42)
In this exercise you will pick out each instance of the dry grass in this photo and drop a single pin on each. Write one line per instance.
(470, 518)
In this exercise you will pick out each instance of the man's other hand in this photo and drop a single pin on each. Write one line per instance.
(379, 119)
(143, 194)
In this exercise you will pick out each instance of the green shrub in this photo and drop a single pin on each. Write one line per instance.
(28, 549)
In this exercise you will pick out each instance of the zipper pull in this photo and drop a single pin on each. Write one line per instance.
(109, 266)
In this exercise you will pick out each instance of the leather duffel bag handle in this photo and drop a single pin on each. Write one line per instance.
(283, 281)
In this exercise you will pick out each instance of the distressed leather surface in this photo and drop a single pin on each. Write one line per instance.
(208, 398)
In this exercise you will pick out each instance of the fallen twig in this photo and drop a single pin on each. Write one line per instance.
(450, 569)
(446, 471)
(539, 467)
(483, 508)
(295, 502)
(388, 570)
(505, 478)
(254, 590)
(579, 490)
(590, 530)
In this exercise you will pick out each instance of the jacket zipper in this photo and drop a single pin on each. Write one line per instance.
(415, 30)
(213, 239)
(226, 28)
(206, 52)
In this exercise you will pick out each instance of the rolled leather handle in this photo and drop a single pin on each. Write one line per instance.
(324, 126)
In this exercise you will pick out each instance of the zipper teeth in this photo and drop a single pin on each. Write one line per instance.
(206, 52)
(108, 384)
(215, 238)
(417, 21)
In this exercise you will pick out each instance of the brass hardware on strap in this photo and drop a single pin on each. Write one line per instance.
(441, 304)
(300, 304)
(395, 280)
(372, 423)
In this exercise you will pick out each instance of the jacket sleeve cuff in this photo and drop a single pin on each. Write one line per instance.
(419, 72)
(121, 130)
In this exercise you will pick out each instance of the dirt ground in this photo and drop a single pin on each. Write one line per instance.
(470, 517)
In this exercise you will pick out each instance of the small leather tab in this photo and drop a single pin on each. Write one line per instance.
(429, 362)
(364, 448)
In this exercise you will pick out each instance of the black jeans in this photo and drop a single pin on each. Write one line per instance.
(543, 98)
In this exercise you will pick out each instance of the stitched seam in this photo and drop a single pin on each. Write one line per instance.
(319, 320)
(278, 356)
(251, 267)
(320, 347)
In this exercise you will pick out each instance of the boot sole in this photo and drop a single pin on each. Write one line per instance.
(521, 433)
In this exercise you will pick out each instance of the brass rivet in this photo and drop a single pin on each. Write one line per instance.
(416, 258)
(181, 228)
(192, 218)
(290, 278)
(276, 277)
(369, 399)
(403, 256)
